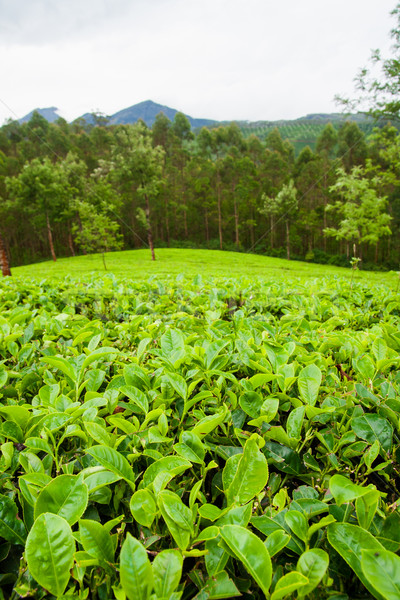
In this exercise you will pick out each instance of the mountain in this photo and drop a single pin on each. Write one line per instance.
(147, 111)
(300, 132)
(50, 114)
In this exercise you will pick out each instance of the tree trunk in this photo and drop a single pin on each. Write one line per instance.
(185, 225)
(70, 243)
(167, 219)
(149, 231)
(5, 265)
(219, 209)
(272, 230)
(252, 242)
(206, 227)
(376, 251)
(50, 238)
(236, 214)
(287, 240)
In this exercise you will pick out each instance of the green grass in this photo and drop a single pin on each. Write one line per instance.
(137, 264)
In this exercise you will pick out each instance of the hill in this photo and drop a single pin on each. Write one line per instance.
(172, 262)
(301, 132)
(148, 110)
(50, 114)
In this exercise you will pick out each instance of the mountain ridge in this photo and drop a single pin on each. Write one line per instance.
(301, 132)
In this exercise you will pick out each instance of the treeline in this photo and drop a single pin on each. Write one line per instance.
(75, 188)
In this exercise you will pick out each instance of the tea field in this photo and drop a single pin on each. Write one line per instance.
(168, 433)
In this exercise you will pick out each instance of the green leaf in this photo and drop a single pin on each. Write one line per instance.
(372, 428)
(379, 349)
(3, 376)
(251, 403)
(49, 552)
(114, 461)
(344, 490)
(349, 540)
(382, 570)
(208, 424)
(98, 433)
(364, 366)
(12, 529)
(105, 352)
(143, 507)
(135, 570)
(294, 422)
(19, 414)
(137, 397)
(218, 586)
(66, 496)
(276, 541)
(96, 541)
(210, 512)
(251, 474)
(250, 550)
(177, 516)
(288, 584)
(371, 454)
(366, 507)
(313, 565)
(63, 365)
(178, 383)
(297, 523)
(167, 572)
(173, 465)
(172, 344)
(308, 382)
(190, 447)
(98, 478)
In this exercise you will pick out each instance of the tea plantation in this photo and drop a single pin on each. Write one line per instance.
(168, 436)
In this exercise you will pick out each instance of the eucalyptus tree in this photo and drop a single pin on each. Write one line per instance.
(40, 192)
(352, 147)
(137, 163)
(361, 210)
(309, 180)
(97, 231)
(325, 147)
(4, 262)
(285, 206)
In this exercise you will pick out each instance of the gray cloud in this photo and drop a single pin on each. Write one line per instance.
(222, 59)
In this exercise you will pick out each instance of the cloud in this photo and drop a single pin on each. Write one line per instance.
(222, 59)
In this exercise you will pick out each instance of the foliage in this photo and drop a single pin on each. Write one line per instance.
(96, 232)
(378, 83)
(190, 438)
(167, 185)
(362, 210)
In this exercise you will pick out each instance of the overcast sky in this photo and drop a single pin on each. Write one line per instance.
(217, 59)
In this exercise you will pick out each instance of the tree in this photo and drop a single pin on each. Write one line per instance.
(378, 84)
(96, 231)
(40, 191)
(361, 210)
(139, 164)
(285, 205)
(352, 146)
(4, 263)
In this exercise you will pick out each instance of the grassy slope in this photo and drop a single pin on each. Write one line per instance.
(137, 264)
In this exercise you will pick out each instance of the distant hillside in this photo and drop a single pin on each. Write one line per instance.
(148, 110)
(50, 114)
(305, 130)
(300, 132)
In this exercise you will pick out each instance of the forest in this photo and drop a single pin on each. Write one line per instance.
(69, 189)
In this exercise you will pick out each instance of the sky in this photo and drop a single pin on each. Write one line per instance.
(217, 59)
